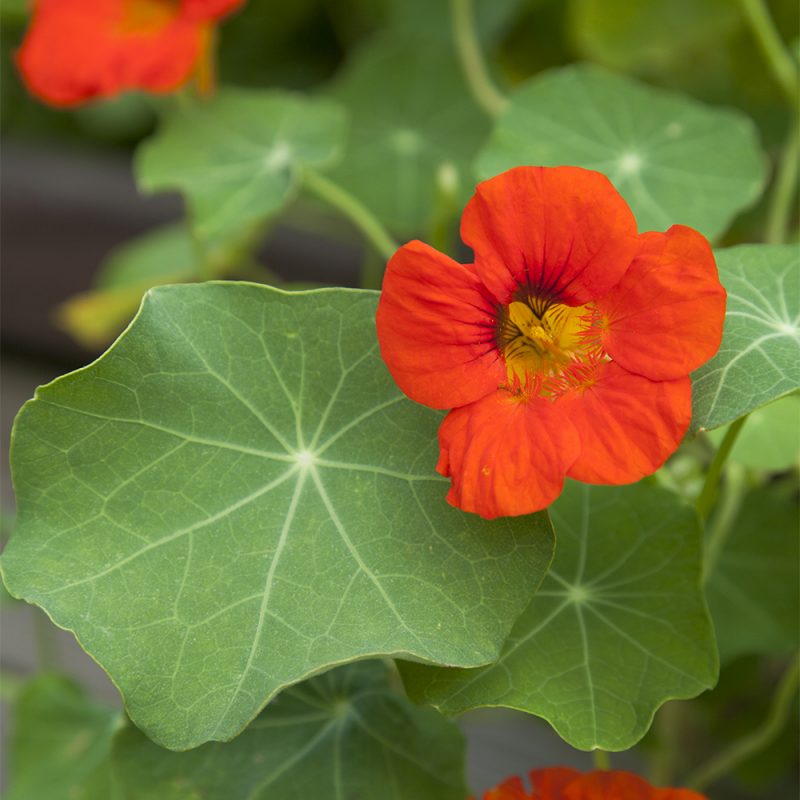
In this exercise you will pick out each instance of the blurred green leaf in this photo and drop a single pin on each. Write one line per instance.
(770, 440)
(754, 584)
(759, 359)
(413, 123)
(244, 486)
(631, 34)
(60, 744)
(344, 734)
(619, 626)
(237, 159)
(672, 159)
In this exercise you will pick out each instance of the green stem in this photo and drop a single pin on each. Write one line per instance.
(601, 759)
(756, 740)
(353, 209)
(708, 494)
(669, 726)
(486, 94)
(725, 516)
(780, 60)
(783, 190)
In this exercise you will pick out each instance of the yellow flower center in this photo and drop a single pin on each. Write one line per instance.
(544, 344)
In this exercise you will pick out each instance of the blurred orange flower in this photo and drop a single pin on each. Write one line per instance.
(78, 50)
(564, 350)
(562, 783)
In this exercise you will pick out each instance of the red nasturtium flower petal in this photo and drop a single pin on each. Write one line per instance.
(565, 350)
(438, 329)
(78, 50)
(662, 318)
(564, 231)
(505, 455)
(563, 783)
(628, 424)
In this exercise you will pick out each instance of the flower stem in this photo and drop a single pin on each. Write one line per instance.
(780, 60)
(708, 494)
(780, 204)
(353, 209)
(486, 94)
(601, 759)
(722, 524)
(756, 740)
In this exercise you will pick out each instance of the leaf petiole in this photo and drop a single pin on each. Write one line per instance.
(486, 94)
(353, 209)
(708, 494)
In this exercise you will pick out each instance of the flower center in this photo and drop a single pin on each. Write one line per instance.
(544, 343)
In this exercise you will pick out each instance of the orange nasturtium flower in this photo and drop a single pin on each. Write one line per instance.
(564, 349)
(562, 783)
(79, 50)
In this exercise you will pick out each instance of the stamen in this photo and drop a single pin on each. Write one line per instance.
(549, 348)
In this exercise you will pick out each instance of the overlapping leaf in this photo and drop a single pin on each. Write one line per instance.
(753, 583)
(60, 744)
(237, 159)
(672, 159)
(759, 359)
(237, 496)
(619, 627)
(342, 735)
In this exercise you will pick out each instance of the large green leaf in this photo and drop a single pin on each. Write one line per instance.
(759, 359)
(754, 581)
(415, 130)
(343, 735)
(60, 744)
(619, 627)
(672, 159)
(237, 159)
(237, 496)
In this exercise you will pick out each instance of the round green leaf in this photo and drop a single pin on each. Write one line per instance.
(753, 584)
(759, 359)
(673, 159)
(415, 130)
(237, 158)
(619, 627)
(237, 496)
(345, 734)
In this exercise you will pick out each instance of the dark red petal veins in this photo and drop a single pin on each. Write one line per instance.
(563, 233)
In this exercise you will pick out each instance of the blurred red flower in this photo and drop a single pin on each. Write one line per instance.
(78, 50)
(564, 349)
(562, 783)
